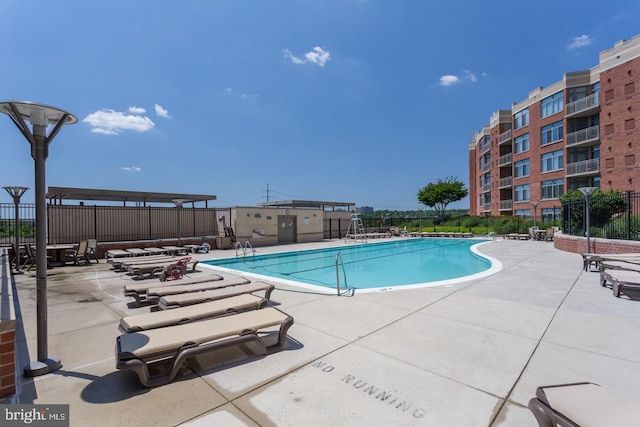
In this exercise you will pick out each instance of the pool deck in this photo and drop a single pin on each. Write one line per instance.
(467, 354)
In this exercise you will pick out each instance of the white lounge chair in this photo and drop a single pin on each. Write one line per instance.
(163, 351)
(181, 300)
(582, 404)
(191, 313)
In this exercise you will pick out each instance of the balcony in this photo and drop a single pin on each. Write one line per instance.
(505, 160)
(584, 106)
(487, 187)
(486, 167)
(485, 146)
(584, 137)
(506, 205)
(585, 167)
(504, 137)
(506, 182)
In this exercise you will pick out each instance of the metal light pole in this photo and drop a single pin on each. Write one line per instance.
(40, 116)
(16, 193)
(587, 191)
(535, 207)
(178, 203)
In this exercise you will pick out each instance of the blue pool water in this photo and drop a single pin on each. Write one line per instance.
(399, 263)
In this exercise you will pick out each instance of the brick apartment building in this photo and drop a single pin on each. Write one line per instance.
(579, 132)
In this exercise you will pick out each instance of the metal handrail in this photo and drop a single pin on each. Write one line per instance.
(339, 257)
(244, 251)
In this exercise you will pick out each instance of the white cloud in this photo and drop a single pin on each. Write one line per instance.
(137, 110)
(449, 80)
(161, 112)
(111, 122)
(317, 56)
(577, 42)
(131, 168)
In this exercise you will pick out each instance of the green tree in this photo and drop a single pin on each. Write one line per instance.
(439, 194)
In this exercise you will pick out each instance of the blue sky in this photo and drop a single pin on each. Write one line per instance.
(362, 101)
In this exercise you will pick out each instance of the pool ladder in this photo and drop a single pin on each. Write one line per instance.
(247, 247)
(340, 262)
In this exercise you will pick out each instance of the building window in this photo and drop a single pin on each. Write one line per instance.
(521, 118)
(630, 160)
(551, 105)
(552, 133)
(521, 143)
(629, 88)
(608, 129)
(552, 161)
(522, 193)
(629, 124)
(608, 95)
(521, 168)
(552, 189)
(523, 212)
(482, 199)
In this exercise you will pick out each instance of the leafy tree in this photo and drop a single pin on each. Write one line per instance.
(442, 192)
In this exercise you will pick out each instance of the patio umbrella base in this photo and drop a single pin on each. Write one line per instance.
(37, 368)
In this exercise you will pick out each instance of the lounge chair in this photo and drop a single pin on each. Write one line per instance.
(582, 404)
(203, 248)
(155, 293)
(181, 300)
(605, 268)
(138, 252)
(176, 250)
(166, 267)
(620, 280)
(111, 254)
(191, 313)
(590, 259)
(138, 291)
(164, 350)
(124, 263)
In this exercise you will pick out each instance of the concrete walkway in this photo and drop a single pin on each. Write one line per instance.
(470, 354)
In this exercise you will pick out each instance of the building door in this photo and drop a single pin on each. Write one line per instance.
(286, 229)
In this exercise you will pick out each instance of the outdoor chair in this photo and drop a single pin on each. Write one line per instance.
(582, 404)
(31, 258)
(81, 253)
(92, 246)
(157, 355)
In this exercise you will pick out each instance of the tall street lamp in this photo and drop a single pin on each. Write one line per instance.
(16, 193)
(535, 207)
(587, 191)
(40, 116)
(179, 203)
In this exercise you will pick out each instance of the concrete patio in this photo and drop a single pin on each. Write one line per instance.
(470, 354)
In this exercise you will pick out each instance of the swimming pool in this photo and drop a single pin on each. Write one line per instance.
(398, 264)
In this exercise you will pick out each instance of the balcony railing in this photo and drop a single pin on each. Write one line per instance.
(583, 136)
(486, 167)
(485, 147)
(505, 159)
(506, 205)
(487, 187)
(504, 137)
(585, 167)
(583, 104)
(506, 182)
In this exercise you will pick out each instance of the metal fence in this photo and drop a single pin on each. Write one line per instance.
(610, 216)
(71, 224)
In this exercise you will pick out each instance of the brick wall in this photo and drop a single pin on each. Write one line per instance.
(7, 329)
(619, 123)
(578, 245)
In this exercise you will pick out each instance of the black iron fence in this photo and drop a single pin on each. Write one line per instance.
(610, 216)
(71, 224)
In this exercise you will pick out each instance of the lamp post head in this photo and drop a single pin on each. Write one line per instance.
(587, 191)
(179, 202)
(534, 204)
(16, 191)
(36, 114)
